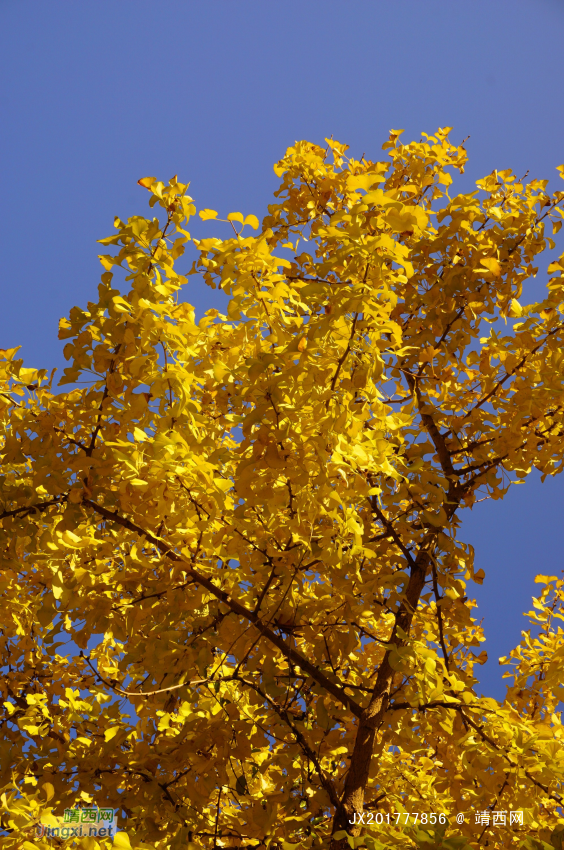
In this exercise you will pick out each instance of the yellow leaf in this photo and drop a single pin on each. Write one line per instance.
(322, 715)
(207, 214)
(220, 370)
(515, 309)
(363, 181)
(71, 538)
(106, 261)
(111, 733)
(252, 221)
(492, 265)
(9, 353)
(49, 791)
(272, 457)
(407, 219)
(235, 216)
(121, 305)
(147, 182)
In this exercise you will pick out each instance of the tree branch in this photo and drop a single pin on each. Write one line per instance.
(345, 353)
(283, 714)
(288, 651)
(41, 506)
(556, 797)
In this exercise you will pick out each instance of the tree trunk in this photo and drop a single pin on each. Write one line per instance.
(352, 800)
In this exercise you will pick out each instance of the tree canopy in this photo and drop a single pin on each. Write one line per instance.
(234, 598)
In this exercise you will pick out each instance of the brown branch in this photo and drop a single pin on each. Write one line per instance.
(115, 687)
(70, 439)
(345, 353)
(399, 706)
(27, 509)
(439, 613)
(556, 797)
(443, 336)
(283, 714)
(217, 819)
(98, 425)
(485, 466)
(320, 280)
(469, 447)
(373, 715)
(288, 651)
(391, 532)
(264, 591)
(510, 374)
(430, 426)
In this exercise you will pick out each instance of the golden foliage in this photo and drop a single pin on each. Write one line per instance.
(234, 602)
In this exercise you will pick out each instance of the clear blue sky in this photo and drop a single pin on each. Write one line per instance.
(96, 94)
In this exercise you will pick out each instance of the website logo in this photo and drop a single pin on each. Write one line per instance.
(79, 823)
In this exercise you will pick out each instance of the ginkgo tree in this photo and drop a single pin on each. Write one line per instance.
(234, 598)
